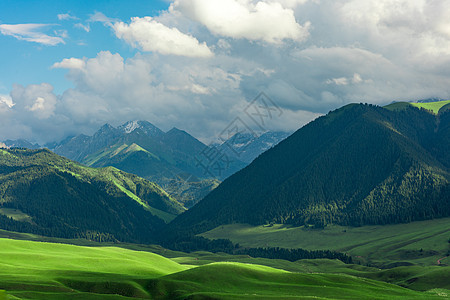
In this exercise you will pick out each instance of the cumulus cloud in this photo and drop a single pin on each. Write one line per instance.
(70, 63)
(150, 35)
(263, 21)
(31, 33)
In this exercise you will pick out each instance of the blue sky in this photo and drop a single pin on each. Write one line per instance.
(68, 67)
(27, 63)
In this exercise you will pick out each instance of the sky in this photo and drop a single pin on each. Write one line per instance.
(68, 67)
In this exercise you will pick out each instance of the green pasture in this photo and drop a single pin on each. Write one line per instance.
(42, 270)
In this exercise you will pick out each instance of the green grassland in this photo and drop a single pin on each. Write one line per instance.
(421, 243)
(434, 107)
(39, 270)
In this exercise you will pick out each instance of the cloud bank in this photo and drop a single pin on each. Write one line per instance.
(199, 64)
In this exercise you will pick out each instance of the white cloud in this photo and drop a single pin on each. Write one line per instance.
(355, 51)
(345, 80)
(152, 36)
(6, 101)
(291, 3)
(65, 17)
(38, 100)
(70, 63)
(263, 21)
(39, 104)
(86, 27)
(31, 33)
(100, 17)
(402, 24)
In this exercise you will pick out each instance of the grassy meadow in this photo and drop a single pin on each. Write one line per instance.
(421, 243)
(433, 106)
(42, 270)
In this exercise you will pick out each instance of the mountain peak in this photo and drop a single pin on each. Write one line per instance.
(147, 127)
(175, 130)
(106, 127)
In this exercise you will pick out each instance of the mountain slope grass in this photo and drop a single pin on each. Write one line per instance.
(434, 107)
(36, 270)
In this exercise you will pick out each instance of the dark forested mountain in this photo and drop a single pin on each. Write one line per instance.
(360, 164)
(43, 193)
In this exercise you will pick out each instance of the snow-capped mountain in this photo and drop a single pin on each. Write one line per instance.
(147, 127)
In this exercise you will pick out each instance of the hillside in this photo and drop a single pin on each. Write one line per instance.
(43, 193)
(358, 165)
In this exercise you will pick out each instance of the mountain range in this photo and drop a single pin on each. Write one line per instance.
(175, 160)
(358, 165)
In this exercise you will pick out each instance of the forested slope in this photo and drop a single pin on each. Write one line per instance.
(358, 165)
(58, 197)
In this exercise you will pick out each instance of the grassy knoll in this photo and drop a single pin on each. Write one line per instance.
(38, 270)
(422, 242)
(433, 106)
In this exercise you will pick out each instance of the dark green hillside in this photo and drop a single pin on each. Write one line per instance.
(58, 197)
(358, 165)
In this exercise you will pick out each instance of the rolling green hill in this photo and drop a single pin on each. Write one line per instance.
(358, 165)
(36, 270)
(43, 193)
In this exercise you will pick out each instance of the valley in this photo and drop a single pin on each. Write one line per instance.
(316, 215)
(224, 149)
